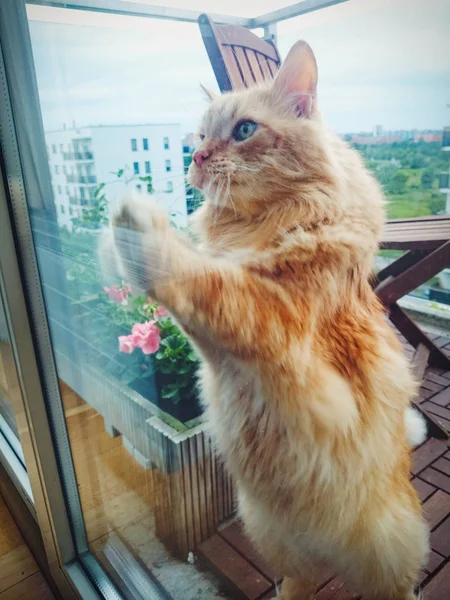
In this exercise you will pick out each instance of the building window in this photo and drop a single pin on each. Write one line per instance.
(149, 188)
(67, 189)
(170, 187)
(139, 186)
(56, 169)
(147, 166)
(168, 165)
(82, 193)
(64, 169)
(54, 148)
(136, 168)
(61, 148)
(166, 143)
(62, 209)
(70, 211)
(145, 143)
(59, 189)
(134, 145)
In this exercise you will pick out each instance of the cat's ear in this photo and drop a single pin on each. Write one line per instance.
(297, 78)
(209, 95)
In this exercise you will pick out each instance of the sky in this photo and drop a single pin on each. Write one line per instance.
(380, 62)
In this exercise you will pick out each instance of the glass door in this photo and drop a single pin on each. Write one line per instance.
(140, 484)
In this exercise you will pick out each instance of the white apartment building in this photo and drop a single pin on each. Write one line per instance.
(81, 158)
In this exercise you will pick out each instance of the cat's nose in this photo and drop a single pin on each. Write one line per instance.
(200, 156)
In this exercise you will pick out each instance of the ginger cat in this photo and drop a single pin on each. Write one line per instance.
(305, 385)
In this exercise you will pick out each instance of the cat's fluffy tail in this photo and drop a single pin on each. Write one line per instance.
(416, 428)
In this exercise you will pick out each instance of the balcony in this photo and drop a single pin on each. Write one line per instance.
(88, 179)
(147, 472)
(78, 156)
(444, 182)
(446, 139)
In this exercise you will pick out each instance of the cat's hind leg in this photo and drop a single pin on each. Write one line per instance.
(385, 557)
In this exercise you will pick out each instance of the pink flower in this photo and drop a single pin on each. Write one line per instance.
(146, 336)
(119, 294)
(160, 311)
(126, 344)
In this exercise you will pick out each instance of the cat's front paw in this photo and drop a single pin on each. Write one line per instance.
(140, 213)
(139, 225)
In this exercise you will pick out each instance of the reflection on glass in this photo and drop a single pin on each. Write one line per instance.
(10, 405)
(150, 485)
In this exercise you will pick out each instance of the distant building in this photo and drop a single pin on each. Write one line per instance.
(428, 137)
(81, 158)
(188, 151)
(380, 136)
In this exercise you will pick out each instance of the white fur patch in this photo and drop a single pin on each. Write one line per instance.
(416, 428)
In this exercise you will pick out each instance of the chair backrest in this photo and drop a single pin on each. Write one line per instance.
(238, 57)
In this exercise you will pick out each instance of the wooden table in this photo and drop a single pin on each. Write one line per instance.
(426, 245)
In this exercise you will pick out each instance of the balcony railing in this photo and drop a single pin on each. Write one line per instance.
(78, 155)
(444, 181)
(81, 179)
(446, 138)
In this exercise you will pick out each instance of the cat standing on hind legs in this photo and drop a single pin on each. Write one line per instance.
(305, 386)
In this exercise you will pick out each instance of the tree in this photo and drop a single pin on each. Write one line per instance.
(427, 179)
(417, 162)
(397, 184)
(436, 203)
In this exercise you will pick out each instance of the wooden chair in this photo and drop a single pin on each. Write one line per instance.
(238, 57)
(426, 242)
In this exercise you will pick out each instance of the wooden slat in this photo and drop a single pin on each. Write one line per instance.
(417, 274)
(439, 586)
(246, 72)
(336, 590)
(436, 478)
(436, 409)
(442, 398)
(434, 561)
(423, 489)
(415, 336)
(426, 454)
(245, 581)
(399, 265)
(254, 65)
(32, 588)
(234, 73)
(265, 69)
(437, 508)
(442, 465)
(236, 537)
(440, 539)
(420, 360)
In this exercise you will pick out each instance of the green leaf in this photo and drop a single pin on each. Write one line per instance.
(169, 391)
(99, 189)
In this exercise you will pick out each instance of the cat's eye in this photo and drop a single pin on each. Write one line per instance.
(201, 136)
(244, 130)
